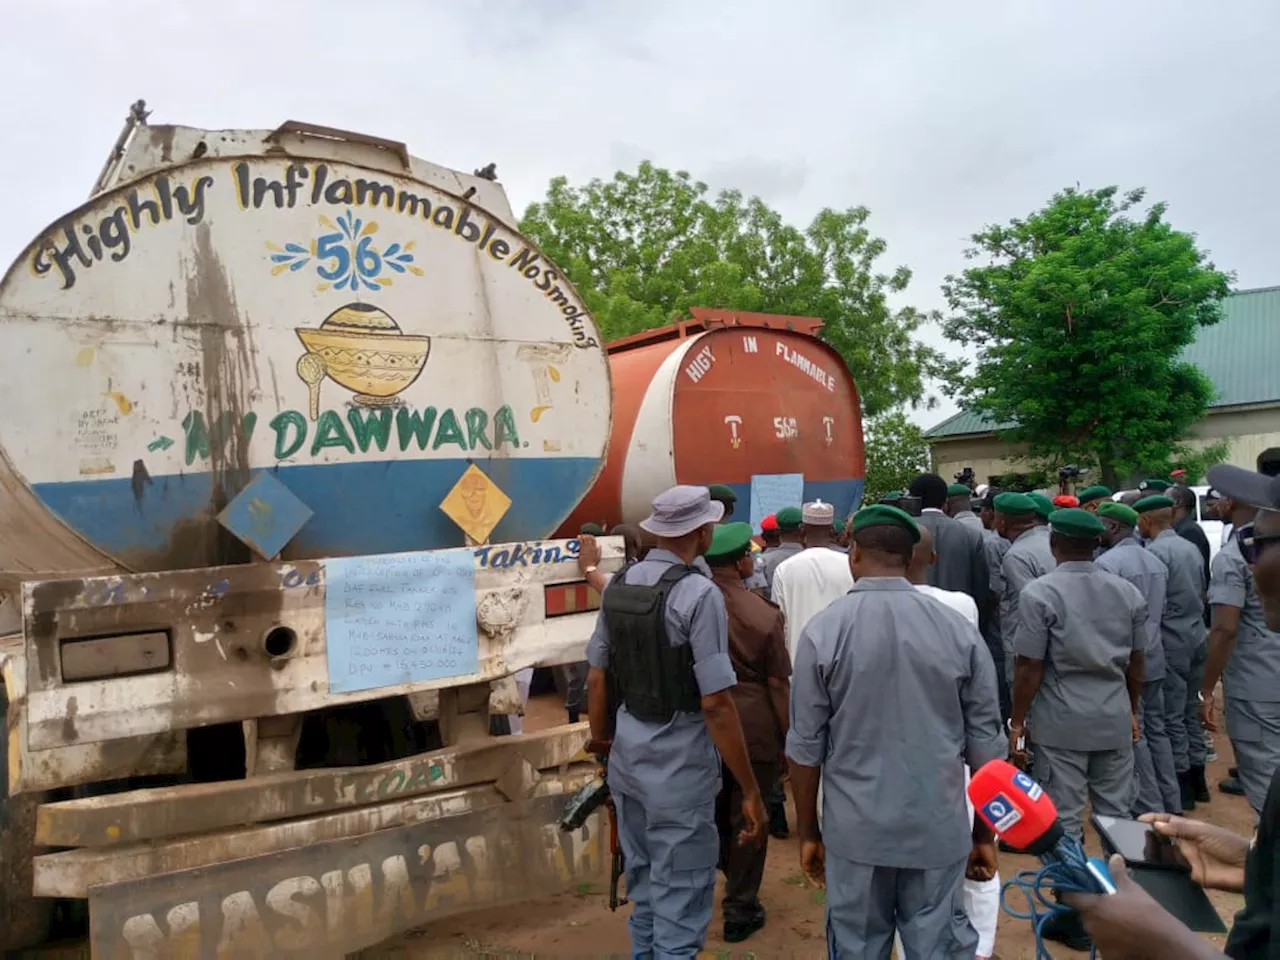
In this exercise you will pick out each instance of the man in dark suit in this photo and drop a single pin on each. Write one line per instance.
(961, 562)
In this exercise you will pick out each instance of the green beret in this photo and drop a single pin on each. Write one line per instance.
(1096, 492)
(1118, 511)
(1074, 522)
(879, 514)
(789, 518)
(593, 529)
(729, 543)
(1014, 504)
(958, 490)
(1156, 502)
(1154, 483)
(1044, 506)
(722, 494)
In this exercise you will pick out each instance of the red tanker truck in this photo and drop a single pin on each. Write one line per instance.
(726, 397)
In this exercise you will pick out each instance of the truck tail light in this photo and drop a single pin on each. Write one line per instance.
(566, 598)
(101, 658)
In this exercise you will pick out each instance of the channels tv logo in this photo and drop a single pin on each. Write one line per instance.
(1028, 786)
(1000, 812)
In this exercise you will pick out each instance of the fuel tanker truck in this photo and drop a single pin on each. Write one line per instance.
(291, 416)
(753, 401)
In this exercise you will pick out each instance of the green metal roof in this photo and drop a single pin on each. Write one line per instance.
(1238, 354)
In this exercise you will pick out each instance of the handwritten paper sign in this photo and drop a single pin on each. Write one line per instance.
(770, 492)
(400, 618)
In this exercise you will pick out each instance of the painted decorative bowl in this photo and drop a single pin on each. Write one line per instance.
(364, 350)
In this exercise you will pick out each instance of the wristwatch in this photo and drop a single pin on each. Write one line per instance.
(590, 569)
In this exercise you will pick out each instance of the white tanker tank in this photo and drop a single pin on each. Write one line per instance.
(317, 305)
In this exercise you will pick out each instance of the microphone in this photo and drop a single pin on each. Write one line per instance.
(1023, 815)
(1018, 810)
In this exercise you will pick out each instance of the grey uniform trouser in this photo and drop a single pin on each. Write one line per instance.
(1153, 756)
(670, 857)
(1182, 712)
(1254, 729)
(866, 904)
(1072, 777)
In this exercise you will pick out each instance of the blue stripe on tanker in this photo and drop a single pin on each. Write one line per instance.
(384, 506)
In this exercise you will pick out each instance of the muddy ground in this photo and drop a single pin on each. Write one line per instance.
(579, 922)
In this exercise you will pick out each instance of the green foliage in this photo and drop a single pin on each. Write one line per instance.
(643, 248)
(1195, 460)
(896, 453)
(1078, 315)
(1034, 477)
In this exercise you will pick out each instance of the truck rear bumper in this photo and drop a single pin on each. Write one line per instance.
(329, 898)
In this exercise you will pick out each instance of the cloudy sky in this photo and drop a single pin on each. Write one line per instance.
(939, 116)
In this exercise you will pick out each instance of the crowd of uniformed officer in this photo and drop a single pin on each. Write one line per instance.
(1085, 658)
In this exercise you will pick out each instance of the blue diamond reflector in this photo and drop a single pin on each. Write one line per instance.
(266, 515)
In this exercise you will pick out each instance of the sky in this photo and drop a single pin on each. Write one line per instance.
(941, 117)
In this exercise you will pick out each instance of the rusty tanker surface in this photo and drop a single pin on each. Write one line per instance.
(296, 418)
(740, 399)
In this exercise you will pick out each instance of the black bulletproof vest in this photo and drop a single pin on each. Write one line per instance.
(652, 677)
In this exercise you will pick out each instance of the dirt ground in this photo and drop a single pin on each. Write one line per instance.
(578, 922)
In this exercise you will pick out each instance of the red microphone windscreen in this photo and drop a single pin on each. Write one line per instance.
(1012, 804)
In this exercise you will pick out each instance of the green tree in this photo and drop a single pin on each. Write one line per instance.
(1077, 316)
(643, 248)
(896, 453)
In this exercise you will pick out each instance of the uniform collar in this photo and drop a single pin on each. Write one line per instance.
(1033, 531)
(883, 583)
(1126, 542)
(933, 510)
(663, 556)
(1077, 566)
(1166, 533)
(666, 556)
(728, 577)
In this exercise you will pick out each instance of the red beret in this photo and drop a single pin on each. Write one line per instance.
(1065, 500)
(769, 523)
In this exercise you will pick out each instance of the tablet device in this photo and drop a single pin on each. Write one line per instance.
(1164, 875)
(1139, 844)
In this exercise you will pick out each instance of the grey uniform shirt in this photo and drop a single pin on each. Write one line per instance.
(1028, 558)
(996, 547)
(1253, 670)
(1147, 572)
(1182, 626)
(1085, 624)
(772, 556)
(892, 694)
(672, 764)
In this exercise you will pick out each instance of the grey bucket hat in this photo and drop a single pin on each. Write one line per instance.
(682, 510)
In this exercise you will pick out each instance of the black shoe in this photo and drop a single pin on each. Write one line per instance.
(778, 828)
(1188, 794)
(1067, 928)
(1232, 786)
(1233, 773)
(573, 716)
(739, 930)
(1199, 788)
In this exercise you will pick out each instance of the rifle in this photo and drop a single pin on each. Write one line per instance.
(584, 803)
